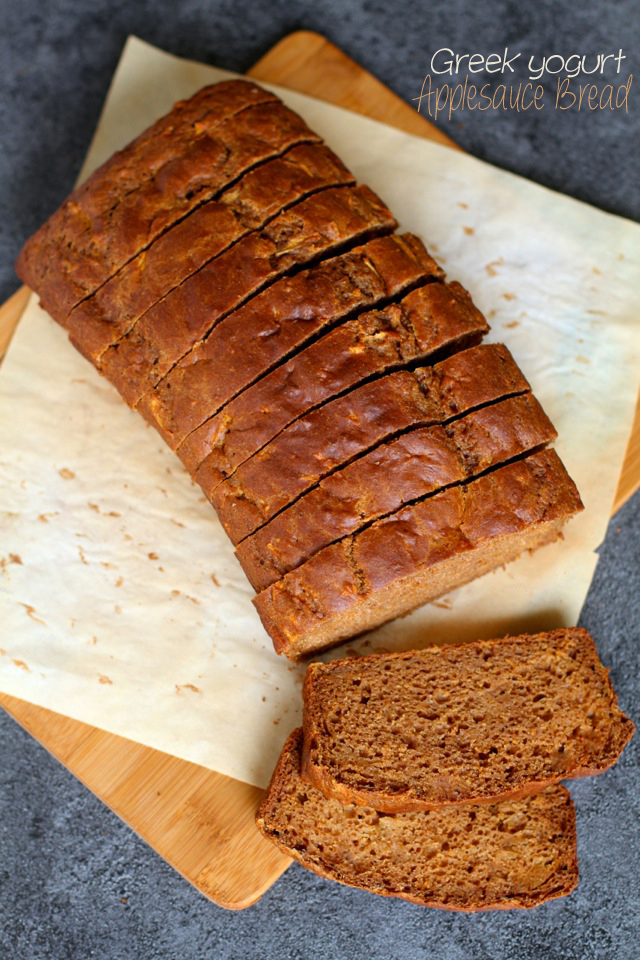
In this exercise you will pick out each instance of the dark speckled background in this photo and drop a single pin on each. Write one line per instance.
(66, 863)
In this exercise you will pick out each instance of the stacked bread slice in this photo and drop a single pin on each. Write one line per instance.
(317, 375)
(433, 775)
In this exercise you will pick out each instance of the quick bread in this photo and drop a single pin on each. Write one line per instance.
(316, 444)
(476, 722)
(427, 324)
(230, 279)
(110, 311)
(255, 338)
(162, 176)
(518, 853)
(319, 225)
(418, 554)
(393, 474)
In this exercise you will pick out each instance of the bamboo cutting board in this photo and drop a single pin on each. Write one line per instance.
(200, 821)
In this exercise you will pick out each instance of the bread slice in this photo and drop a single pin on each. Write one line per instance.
(518, 853)
(255, 338)
(483, 721)
(413, 465)
(317, 226)
(418, 554)
(107, 314)
(328, 438)
(193, 171)
(432, 321)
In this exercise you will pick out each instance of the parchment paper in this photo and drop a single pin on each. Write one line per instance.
(121, 601)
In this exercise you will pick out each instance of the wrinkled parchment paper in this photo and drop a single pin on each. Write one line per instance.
(122, 603)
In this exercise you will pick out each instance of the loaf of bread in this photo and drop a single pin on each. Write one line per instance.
(418, 554)
(91, 240)
(428, 323)
(254, 339)
(518, 853)
(317, 226)
(393, 474)
(331, 436)
(477, 722)
(226, 274)
(107, 314)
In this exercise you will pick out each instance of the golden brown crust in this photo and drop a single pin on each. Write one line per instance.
(140, 160)
(331, 436)
(254, 338)
(392, 566)
(102, 318)
(528, 847)
(86, 255)
(479, 722)
(413, 465)
(314, 227)
(435, 319)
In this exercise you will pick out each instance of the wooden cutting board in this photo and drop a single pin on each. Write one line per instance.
(200, 821)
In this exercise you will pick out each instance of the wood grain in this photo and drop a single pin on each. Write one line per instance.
(200, 821)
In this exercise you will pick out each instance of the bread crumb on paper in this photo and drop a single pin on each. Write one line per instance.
(491, 267)
(31, 612)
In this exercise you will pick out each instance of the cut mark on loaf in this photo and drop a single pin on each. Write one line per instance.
(313, 447)
(183, 187)
(476, 722)
(168, 331)
(495, 857)
(195, 240)
(129, 169)
(418, 554)
(418, 464)
(324, 368)
(256, 338)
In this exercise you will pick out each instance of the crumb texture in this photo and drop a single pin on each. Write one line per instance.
(455, 724)
(515, 854)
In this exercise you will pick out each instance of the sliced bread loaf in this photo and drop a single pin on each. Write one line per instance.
(429, 322)
(253, 339)
(413, 465)
(518, 853)
(456, 724)
(418, 554)
(199, 168)
(129, 168)
(315, 227)
(103, 317)
(320, 442)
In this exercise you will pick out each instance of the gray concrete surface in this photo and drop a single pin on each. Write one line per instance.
(75, 882)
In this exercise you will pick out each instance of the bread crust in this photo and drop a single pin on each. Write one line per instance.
(207, 231)
(314, 227)
(411, 466)
(283, 782)
(88, 253)
(435, 319)
(304, 611)
(141, 159)
(254, 338)
(316, 444)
